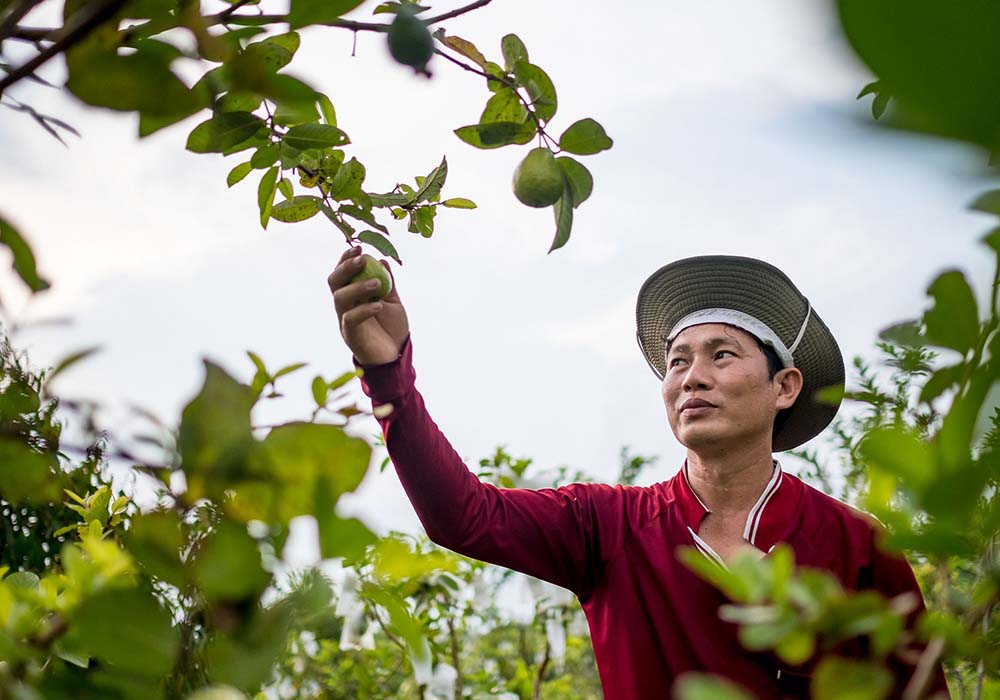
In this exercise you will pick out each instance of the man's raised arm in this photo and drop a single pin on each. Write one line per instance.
(560, 535)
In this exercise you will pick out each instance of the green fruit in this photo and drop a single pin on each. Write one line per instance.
(538, 180)
(410, 42)
(374, 270)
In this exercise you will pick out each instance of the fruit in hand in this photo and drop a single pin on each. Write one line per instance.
(374, 270)
(538, 179)
(410, 42)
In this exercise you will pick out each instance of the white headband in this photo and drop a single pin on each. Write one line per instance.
(748, 323)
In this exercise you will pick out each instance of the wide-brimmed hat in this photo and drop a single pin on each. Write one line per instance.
(759, 298)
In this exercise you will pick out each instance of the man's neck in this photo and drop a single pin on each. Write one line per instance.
(730, 482)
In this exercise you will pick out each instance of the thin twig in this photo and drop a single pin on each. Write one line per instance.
(90, 16)
(231, 9)
(917, 686)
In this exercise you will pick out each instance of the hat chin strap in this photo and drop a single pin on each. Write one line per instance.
(750, 324)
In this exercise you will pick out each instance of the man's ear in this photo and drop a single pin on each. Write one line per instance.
(789, 383)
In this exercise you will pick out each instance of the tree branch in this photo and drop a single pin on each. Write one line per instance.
(89, 17)
(17, 11)
(460, 11)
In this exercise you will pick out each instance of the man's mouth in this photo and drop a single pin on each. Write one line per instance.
(696, 407)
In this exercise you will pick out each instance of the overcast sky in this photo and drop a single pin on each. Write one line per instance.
(736, 131)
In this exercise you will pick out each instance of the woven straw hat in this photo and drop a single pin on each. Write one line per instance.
(758, 298)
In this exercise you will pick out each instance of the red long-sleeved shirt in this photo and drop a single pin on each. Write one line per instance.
(650, 617)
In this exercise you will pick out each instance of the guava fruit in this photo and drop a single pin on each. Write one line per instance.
(410, 42)
(374, 270)
(538, 179)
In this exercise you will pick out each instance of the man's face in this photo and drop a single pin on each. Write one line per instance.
(717, 390)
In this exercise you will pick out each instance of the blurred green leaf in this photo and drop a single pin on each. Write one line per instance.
(585, 137)
(704, 686)
(953, 320)
(215, 436)
(265, 156)
(988, 202)
(25, 475)
(942, 380)
(24, 259)
(144, 640)
(837, 678)
(937, 60)
(155, 540)
(228, 564)
(901, 453)
(306, 12)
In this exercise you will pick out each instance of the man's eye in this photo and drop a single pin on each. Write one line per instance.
(724, 352)
(673, 361)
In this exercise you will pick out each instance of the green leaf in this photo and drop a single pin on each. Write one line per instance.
(286, 188)
(905, 333)
(70, 360)
(296, 209)
(288, 369)
(539, 87)
(390, 199)
(459, 203)
(24, 259)
(257, 362)
(942, 380)
(290, 114)
(338, 537)
(513, 51)
(238, 173)
(581, 182)
(265, 194)
(156, 540)
(704, 686)
(563, 210)
(362, 215)
(953, 321)
(497, 134)
(326, 109)
(223, 131)
(319, 390)
(228, 565)
(988, 202)
(346, 184)
(422, 221)
(879, 104)
(504, 106)
(265, 156)
(305, 12)
(900, 453)
(25, 475)
(22, 579)
(430, 189)
(584, 138)
(145, 642)
(237, 102)
(380, 243)
(306, 136)
(846, 679)
(215, 436)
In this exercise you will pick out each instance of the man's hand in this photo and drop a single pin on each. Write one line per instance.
(374, 331)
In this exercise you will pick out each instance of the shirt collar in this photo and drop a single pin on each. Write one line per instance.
(767, 522)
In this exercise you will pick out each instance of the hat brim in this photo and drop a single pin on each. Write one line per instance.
(763, 291)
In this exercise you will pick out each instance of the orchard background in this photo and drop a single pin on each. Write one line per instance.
(735, 131)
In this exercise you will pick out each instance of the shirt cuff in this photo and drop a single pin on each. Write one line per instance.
(390, 381)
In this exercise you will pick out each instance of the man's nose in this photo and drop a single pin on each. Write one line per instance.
(697, 376)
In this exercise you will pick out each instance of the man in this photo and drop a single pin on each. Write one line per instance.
(740, 353)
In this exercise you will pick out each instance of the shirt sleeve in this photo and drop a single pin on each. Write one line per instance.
(562, 535)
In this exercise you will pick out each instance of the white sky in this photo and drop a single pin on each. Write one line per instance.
(736, 131)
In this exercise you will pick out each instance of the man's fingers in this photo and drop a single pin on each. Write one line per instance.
(350, 296)
(348, 266)
(360, 313)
